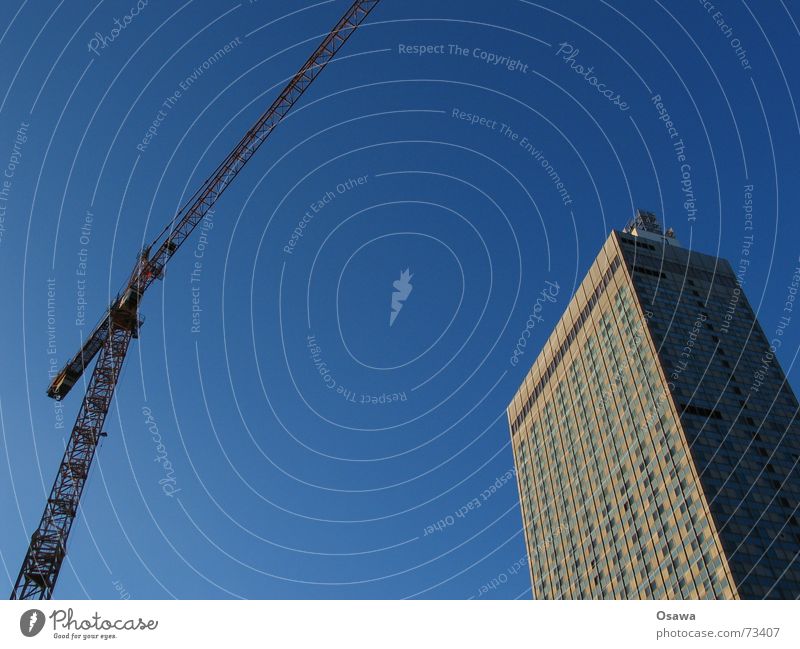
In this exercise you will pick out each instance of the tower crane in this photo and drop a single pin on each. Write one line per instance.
(111, 337)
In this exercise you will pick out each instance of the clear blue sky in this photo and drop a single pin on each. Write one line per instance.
(279, 484)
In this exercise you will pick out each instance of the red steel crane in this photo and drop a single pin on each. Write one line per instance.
(111, 337)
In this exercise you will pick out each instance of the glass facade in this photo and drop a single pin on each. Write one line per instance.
(641, 474)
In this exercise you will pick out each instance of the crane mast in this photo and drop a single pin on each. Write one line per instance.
(111, 337)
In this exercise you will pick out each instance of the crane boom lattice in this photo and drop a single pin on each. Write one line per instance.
(110, 339)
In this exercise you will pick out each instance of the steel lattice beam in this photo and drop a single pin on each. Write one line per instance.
(201, 202)
(110, 339)
(48, 545)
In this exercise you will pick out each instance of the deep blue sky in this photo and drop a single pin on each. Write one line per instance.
(286, 487)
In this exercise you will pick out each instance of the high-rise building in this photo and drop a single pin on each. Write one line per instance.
(656, 438)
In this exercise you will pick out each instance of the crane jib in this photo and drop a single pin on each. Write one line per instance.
(204, 198)
(109, 340)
